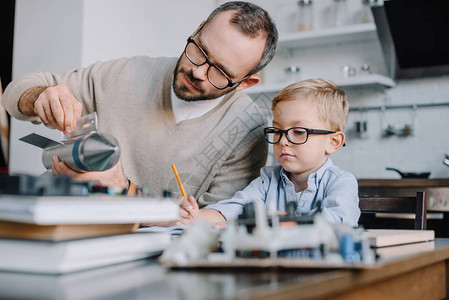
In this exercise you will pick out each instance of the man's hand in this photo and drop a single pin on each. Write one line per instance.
(113, 178)
(56, 106)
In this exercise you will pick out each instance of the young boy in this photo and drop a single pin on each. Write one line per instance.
(308, 124)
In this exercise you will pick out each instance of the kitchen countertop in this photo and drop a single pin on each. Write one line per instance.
(404, 183)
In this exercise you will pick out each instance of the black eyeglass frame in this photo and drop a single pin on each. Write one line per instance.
(211, 64)
(308, 130)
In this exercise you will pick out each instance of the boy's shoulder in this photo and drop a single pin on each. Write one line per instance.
(330, 170)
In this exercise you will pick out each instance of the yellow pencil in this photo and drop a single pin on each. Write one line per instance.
(181, 187)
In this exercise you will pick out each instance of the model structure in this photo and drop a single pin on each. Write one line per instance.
(258, 238)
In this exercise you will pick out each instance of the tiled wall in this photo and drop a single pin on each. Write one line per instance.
(423, 151)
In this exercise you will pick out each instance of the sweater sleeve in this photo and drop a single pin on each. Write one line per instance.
(86, 84)
(239, 169)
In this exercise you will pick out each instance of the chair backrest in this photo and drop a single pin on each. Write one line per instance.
(416, 205)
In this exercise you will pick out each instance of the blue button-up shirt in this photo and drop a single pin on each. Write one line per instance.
(335, 188)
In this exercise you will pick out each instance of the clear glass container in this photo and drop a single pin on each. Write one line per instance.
(305, 15)
(292, 74)
(340, 11)
(365, 12)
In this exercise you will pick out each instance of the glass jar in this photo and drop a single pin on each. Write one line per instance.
(292, 74)
(340, 11)
(305, 15)
(348, 71)
(365, 12)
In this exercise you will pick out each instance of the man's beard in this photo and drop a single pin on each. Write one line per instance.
(182, 92)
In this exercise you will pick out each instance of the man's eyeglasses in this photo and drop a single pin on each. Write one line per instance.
(295, 135)
(217, 77)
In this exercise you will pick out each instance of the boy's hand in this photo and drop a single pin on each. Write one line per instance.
(188, 210)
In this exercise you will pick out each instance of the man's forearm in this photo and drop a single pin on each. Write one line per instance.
(26, 101)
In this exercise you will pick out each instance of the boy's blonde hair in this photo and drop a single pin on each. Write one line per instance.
(330, 101)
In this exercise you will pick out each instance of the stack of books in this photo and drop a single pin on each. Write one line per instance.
(392, 243)
(125, 280)
(140, 279)
(55, 235)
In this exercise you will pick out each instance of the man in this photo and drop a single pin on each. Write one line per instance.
(189, 111)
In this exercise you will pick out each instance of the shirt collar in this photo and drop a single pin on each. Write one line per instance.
(313, 178)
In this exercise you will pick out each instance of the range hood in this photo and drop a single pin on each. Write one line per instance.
(414, 35)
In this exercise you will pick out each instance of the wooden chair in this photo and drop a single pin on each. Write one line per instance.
(369, 206)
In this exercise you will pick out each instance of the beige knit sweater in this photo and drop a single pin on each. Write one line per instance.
(216, 154)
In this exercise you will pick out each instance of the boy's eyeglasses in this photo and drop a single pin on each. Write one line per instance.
(295, 135)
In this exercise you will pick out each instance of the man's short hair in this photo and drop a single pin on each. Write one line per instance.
(330, 101)
(253, 21)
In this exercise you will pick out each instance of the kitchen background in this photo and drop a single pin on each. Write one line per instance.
(58, 35)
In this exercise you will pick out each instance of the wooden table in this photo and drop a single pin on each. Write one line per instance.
(423, 276)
